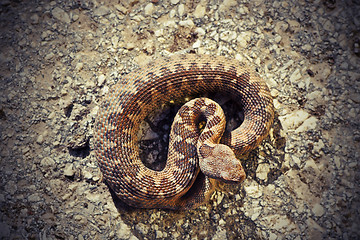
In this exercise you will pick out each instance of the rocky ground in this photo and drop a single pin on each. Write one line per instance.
(59, 58)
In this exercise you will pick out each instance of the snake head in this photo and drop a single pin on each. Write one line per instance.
(219, 162)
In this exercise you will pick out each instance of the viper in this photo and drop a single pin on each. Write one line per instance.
(195, 155)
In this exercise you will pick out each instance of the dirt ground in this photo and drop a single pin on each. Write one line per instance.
(58, 59)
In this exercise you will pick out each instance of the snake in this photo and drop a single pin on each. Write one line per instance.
(195, 155)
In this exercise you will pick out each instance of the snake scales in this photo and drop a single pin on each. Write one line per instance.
(194, 155)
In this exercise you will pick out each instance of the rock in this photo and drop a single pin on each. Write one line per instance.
(11, 187)
(353, 164)
(278, 38)
(222, 222)
(101, 11)
(187, 23)
(87, 175)
(295, 161)
(79, 66)
(273, 236)
(200, 31)
(294, 25)
(89, 84)
(49, 56)
(74, 17)
(197, 44)
(337, 161)
(243, 10)
(243, 39)
(60, 15)
(226, 4)
(115, 41)
(311, 164)
(253, 189)
(274, 93)
(149, 9)
(69, 170)
(228, 36)
(121, 8)
(159, 32)
(262, 171)
(181, 10)
(316, 96)
(319, 145)
(160, 234)
(308, 124)
(307, 47)
(123, 231)
(45, 34)
(142, 228)
(256, 211)
(220, 234)
(171, 24)
(34, 197)
(40, 139)
(286, 65)
(47, 162)
(219, 197)
(174, 2)
(199, 11)
(277, 104)
(280, 223)
(34, 19)
(353, 113)
(101, 80)
(315, 230)
(78, 139)
(318, 210)
(284, 222)
(295, 76)
(355, 97)
(328, 26)
(281, 26)
(93, 197)
(172, 13)
(293, 120)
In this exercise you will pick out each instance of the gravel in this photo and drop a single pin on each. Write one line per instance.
(59, 58)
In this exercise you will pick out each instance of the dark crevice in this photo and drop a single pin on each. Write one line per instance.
(68, 109)
(82, 152)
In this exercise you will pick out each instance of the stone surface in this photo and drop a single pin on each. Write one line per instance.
(47, 162)
(60, 15)
(69, 170)
(308, 124)
(149, 9)
(199, 11)
(293, 120)
(262, 171)
(101, 11)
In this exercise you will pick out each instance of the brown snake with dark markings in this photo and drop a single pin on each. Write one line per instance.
(194, 155)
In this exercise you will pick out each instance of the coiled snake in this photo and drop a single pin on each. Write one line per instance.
(194, 155)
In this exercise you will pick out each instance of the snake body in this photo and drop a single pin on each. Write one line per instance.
(194, 155)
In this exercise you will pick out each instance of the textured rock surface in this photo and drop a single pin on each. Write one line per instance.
(59, 58)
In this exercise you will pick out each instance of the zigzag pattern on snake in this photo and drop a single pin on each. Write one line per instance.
(194, 155)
